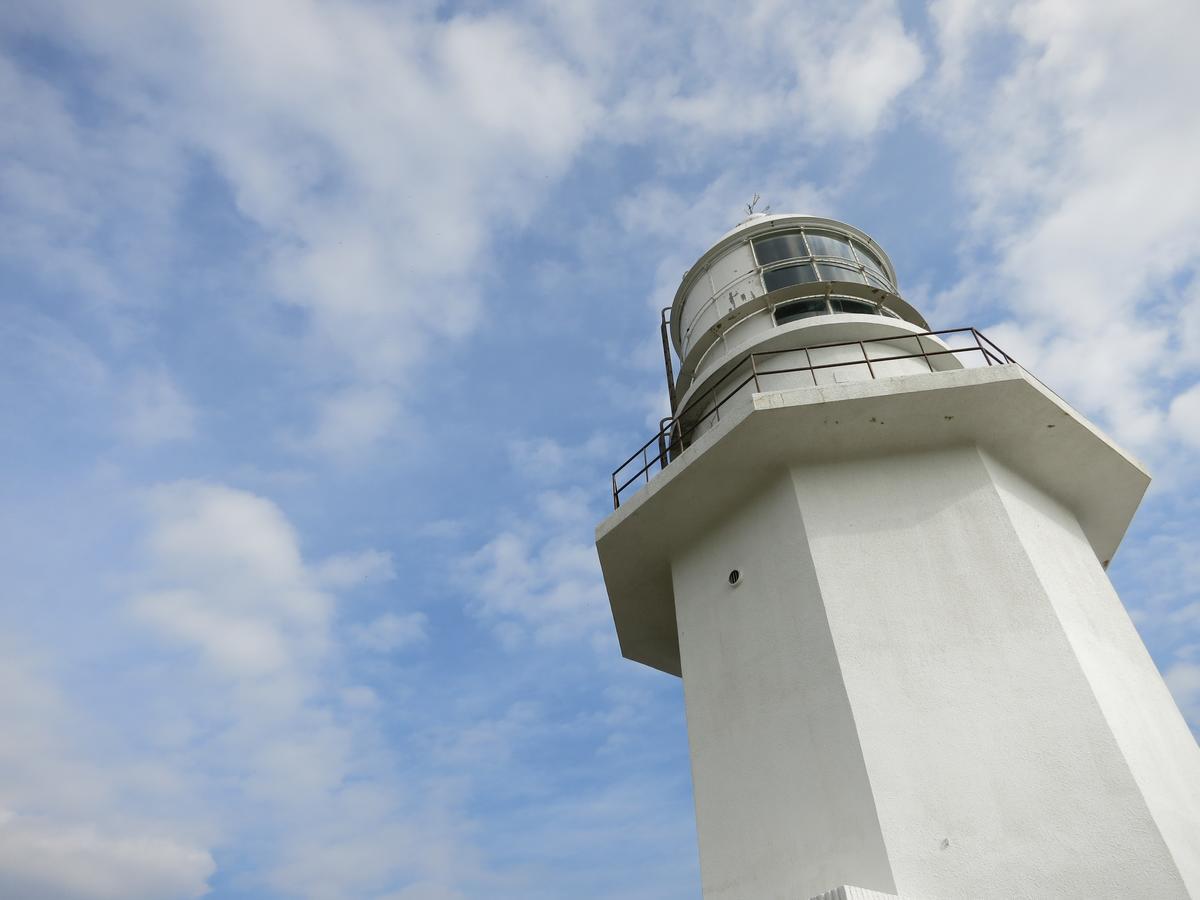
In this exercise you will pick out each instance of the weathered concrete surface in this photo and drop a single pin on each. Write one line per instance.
(782, 793)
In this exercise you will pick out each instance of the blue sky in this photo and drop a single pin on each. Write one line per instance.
(325, 322)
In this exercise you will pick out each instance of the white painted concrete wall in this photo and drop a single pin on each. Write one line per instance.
(783, 802)
(1151, 734)
(924, 685)
(729, 281)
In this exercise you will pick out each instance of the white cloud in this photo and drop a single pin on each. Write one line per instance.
(1082, 223)
(548, 588)
(236, 644)
(538, 457)
(228, 580)
(1184, 415)
(144, 407)
(155, 410)
(1183, 678)
(441, 529)
(359, 696)
(44, 860)
(63, 188)
(347, 570)
(231, 542)
(547, 460)
(391, 632)
(568, 506)
(697, 76)
(377, 150)
(540, 577)
(352, 421)
(75, 827)
(265, 696)
(867, 62)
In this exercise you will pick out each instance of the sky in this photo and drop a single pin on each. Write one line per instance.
(325, 321)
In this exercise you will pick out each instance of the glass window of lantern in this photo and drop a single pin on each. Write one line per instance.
(779, 247)
(850, 305)
(832, 272)
(775, 279)
(868, 259)
(800, 309)
(824, 243)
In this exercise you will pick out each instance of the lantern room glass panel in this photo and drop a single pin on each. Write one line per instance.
(779, 247)
(789, 275)
(823, 243)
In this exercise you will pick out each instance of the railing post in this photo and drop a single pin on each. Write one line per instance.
(665, 325)
(616, 497)
(645, 465)
(924, 352)
(754, 372)
(811, 370)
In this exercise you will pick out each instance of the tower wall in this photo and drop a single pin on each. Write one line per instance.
(782, 793)
(1153, 737)
(901, 695)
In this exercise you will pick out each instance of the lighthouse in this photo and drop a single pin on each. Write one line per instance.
(875, 553)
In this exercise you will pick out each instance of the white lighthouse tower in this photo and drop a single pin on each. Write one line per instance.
(875, 554)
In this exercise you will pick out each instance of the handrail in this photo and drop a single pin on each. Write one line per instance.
(673, 434)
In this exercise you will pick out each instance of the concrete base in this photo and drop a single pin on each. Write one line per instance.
(849, 892)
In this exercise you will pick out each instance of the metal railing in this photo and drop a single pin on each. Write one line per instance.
(675, 432)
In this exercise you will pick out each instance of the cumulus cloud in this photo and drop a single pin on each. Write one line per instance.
(155, 410)
(1183, 678)
(227, 582)
(74, 827)
(698, 75)
(143, 407)
(538, 576)
(375, 147)
(1082, 224)
(547, 460)
(347, 570)
(350, 422)
(67, 189)
(376, 151)
(542, 586)
(39, 859)
(864, 62)
(1184, 415)
(391, 632)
